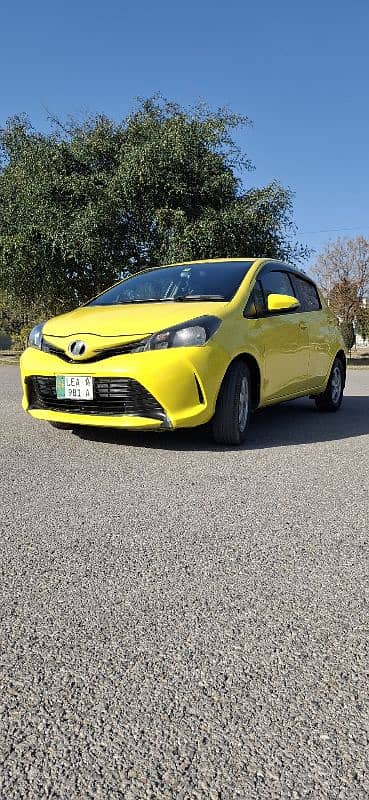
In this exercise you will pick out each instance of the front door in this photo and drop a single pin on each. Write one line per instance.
(284, 339)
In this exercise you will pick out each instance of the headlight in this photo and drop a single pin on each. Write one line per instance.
(35, 337)
(194, 333)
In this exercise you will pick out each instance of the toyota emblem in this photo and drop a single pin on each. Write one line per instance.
(77, 349)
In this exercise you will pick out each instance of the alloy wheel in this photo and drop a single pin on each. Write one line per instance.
(336, 384)
(243, 404)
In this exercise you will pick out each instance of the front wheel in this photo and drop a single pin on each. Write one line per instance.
(331, 398)
(232, 414)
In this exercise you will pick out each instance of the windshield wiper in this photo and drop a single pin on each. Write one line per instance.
(185, 297)
(179, 299)
(142, 300)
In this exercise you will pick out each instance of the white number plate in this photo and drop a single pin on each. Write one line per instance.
(74, 387)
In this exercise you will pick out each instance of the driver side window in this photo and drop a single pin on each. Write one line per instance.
(276, 282)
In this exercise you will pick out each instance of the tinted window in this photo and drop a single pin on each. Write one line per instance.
(256, 305)
(209, 281)
(277, 283)
(307, 294)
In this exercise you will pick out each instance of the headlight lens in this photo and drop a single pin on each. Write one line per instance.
(190, 337)
(35, 337)
(194, 333)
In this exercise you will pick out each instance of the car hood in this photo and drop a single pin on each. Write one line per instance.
(125, 322)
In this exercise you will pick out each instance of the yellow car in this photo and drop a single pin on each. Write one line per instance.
(187, 344)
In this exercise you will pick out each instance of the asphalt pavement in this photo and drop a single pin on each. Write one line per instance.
(180, 621)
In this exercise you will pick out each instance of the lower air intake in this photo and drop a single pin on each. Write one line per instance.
(112, 396)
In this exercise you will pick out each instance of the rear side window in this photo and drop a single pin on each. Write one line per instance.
(277, 283)
(307, 294)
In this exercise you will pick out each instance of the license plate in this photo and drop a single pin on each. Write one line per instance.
(74, 387)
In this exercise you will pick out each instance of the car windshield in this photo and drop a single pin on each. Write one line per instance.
(214, 281)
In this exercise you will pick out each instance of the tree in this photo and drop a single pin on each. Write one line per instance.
(362, 323)
(342, 270)
(348, 334)
(87, 202)
(344, 300)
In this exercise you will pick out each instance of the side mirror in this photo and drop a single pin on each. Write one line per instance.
(282, 302)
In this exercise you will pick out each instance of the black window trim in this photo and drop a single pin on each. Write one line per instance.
(280, 266)
(245, 312)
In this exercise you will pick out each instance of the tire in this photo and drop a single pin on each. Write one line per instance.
(331, 398)
(232, 413)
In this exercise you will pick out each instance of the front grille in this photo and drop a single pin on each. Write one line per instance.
(112, 396)
(99, 355)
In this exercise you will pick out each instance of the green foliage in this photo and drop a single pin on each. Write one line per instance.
(87, 202)
(348, 334)
(19, 314)
(362, 323)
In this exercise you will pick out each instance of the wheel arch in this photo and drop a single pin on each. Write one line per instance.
(252, 364)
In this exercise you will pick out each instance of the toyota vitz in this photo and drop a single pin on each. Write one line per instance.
(187, 344)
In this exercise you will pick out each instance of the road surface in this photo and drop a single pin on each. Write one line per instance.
(185, 622)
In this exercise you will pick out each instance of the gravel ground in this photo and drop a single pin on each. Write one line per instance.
(183, 622)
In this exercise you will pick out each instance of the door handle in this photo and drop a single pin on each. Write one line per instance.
(303, 326)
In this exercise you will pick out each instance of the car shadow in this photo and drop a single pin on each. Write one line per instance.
(294, 423)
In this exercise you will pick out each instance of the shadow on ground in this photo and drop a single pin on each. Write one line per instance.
(294, 423)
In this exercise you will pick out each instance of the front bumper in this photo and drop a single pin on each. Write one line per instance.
(184, 381)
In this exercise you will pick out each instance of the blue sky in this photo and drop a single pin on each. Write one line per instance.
(299, 70)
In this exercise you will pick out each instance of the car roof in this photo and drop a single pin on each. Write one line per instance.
(272, 265)
(209, 261)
